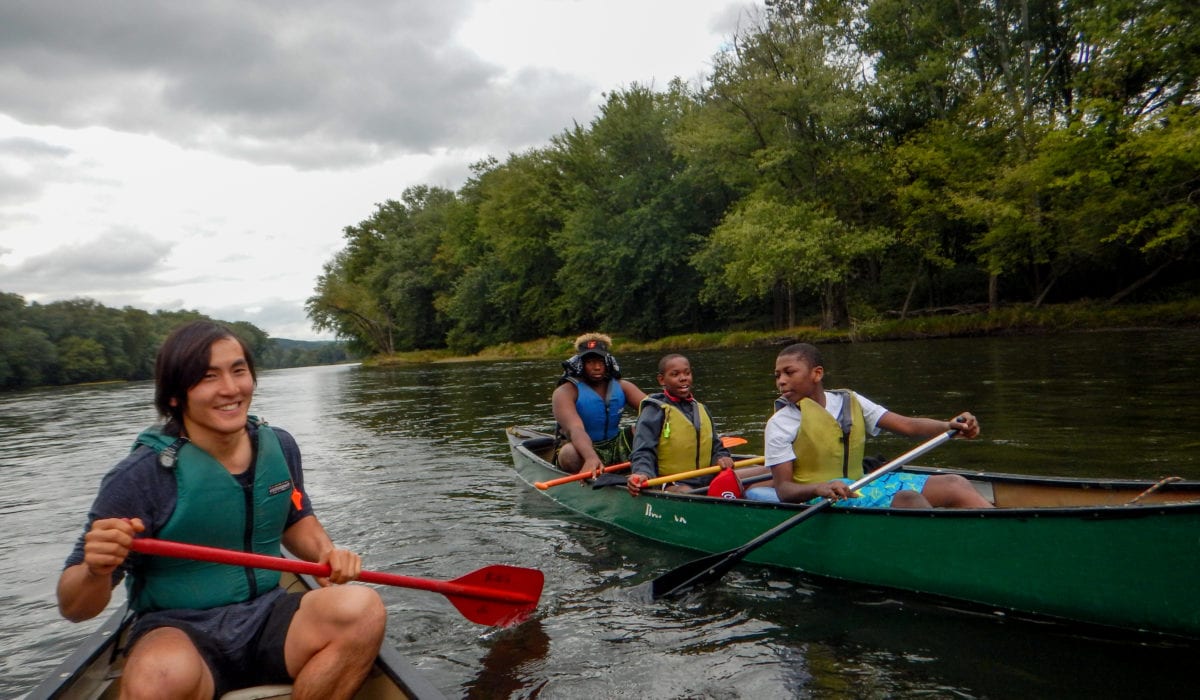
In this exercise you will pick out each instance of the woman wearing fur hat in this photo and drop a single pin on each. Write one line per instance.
(588, 404)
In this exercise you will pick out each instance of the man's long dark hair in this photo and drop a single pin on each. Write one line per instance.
(182, 361)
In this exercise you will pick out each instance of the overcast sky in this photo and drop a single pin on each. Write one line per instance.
(207, 154)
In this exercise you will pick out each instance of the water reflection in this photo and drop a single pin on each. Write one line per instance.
(514, 666)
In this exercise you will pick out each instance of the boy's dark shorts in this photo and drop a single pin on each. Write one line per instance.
(242, 643)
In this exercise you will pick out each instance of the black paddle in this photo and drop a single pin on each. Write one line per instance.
(714, 566)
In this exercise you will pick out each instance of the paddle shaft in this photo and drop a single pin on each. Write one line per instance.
(715, 566)
(543, 485)
(181, 550)
(699, 472)
(728, 441)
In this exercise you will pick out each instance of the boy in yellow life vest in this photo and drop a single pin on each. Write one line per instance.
(814, 444)
(675, 433)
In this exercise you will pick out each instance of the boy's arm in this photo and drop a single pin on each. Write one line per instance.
(791, 492)
(720, 453)
(307, 539)
(633, 395)
(965, 423)
(643, 458)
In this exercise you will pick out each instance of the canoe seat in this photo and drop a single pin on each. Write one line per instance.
(259, 692)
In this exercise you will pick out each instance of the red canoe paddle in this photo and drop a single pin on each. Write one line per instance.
(497, 595)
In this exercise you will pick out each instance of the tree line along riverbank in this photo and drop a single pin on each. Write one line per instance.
(965, 321)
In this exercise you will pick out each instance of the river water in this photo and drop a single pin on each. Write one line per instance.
(410, 467)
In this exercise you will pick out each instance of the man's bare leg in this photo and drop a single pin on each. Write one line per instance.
(333, 641)
(165, 664)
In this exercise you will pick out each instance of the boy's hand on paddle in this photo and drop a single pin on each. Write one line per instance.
(725, 463)
(593, 465)
(966, 425)
(834, 490)
(634, 483)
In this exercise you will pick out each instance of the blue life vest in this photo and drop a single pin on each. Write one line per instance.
(601, 419)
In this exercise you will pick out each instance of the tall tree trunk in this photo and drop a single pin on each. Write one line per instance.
(835, 309)
(791, 306)
(1116, 298)
(1037, 303)
(912, 289)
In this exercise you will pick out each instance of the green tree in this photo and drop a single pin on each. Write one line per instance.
(500, 255)
(789, 96)
(379, 291)
(765, 244)
(635, 213)
(347, 307)
(27, 358)
(1159, 213)
(82, 360)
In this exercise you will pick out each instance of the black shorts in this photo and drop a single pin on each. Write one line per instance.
(241, 643)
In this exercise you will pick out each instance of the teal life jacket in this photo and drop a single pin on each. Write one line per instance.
(214, 509)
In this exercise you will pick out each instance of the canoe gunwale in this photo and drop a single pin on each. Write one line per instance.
(70, 670)
(528, 441)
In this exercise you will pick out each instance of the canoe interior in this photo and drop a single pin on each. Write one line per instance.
(92, 672)
(1010, 490)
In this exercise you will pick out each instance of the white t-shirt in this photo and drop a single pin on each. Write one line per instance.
(784, 426)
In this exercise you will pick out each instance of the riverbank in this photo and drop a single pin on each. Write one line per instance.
(933, 323)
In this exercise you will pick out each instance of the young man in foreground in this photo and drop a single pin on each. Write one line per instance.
(212, 474)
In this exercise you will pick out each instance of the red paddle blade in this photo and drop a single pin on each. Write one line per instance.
(726, 485)
(490, 611)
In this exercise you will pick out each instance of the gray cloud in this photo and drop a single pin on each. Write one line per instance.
(39, 163)
(305, 83)
(115, 263)
(32, 149)
(280, 318)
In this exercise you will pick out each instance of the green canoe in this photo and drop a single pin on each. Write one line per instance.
(1120, 554)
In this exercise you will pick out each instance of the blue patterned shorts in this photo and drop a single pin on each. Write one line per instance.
(879, 493)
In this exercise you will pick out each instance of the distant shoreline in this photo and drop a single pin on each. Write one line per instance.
(951, 322)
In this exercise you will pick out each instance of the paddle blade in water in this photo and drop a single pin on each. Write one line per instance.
(694, 573)
(490, 611)
(494, 595)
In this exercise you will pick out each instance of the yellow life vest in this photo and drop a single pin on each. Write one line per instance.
(825, 446)
(681, 446)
